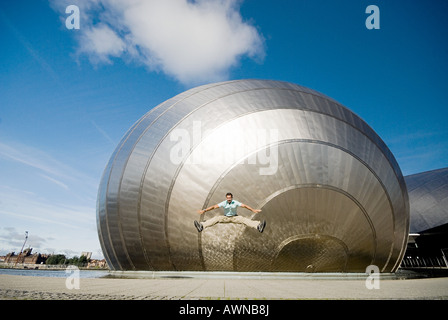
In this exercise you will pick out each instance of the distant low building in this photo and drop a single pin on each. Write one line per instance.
(26, 257)
(98, 264)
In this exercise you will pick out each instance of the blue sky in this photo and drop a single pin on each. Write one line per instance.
(67, 96)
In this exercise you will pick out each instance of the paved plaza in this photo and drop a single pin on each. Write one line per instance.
(14, 287)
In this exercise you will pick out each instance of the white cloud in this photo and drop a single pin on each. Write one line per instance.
(192, 41)
(52, 226)
(45, 164)
(101, 42)
(55, 181)
(32, 157)
(12, 240)
(40, 193)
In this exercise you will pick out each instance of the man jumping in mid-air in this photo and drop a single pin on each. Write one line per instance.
(230, 215)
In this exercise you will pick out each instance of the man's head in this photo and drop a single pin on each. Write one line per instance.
(229, 197)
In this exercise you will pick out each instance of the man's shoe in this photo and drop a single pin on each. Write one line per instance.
(261, 226)
(198, 226)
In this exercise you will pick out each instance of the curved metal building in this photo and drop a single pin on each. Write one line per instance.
(330, 190)
(428, 202)
(428, 199)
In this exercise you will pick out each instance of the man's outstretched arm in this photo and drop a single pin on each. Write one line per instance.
(208, 209)
(249, 208)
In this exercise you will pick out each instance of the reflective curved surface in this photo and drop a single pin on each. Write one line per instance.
(428, 199)
(330, 190)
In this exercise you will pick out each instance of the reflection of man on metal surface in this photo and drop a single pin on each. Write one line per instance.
(230, 215)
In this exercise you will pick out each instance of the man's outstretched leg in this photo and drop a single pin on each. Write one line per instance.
(210, 222)
(250, 223)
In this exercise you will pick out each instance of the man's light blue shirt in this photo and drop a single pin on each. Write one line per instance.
(230, 208)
